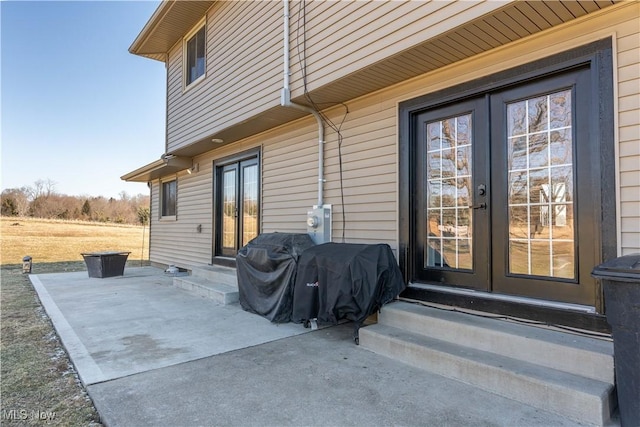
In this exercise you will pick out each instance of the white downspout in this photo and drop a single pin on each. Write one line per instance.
(285, 101)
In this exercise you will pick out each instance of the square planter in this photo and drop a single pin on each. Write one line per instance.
(105, 264)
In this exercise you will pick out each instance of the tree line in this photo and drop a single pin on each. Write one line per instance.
(42, 201)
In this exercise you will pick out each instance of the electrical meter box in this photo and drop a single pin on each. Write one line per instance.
(319, 224)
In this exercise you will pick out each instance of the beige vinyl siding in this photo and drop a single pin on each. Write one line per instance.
(370, 138)
(244, 54)
(369, 178)
(177, 242)
(628, 61)
(244, 51)
(290, 152)
(290, 174)
(289, 177)
(363, 33)
(243, 72)
(155, 245)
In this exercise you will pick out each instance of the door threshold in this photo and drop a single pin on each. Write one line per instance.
(551, 313)
(224, 261)
(510, 298)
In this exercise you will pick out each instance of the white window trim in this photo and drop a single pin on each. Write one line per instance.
(161, 204)
(185, 39)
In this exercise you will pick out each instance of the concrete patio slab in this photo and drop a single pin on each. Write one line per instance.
(119, 326)
(153, 355)
(316, 379)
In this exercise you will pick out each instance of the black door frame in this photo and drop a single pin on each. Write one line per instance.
(218, 167)
(598, 57)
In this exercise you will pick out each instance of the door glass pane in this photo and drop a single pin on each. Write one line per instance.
(249, 203)
(541, 187)
(229, 209)
(449, 192)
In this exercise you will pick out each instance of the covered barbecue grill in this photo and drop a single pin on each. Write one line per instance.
(266, 269)
(338, 281)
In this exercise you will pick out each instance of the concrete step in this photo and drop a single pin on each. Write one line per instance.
(219, 292)
(579, 398)
(575, 354)
(565, 373)
(217, 274)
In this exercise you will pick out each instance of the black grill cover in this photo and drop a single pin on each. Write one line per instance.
(345, 281)
(266, 269)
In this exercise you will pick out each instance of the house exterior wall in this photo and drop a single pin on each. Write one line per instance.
(177, 241)
(244, 54)
(346, 36)
(243, 71)
(369, 150)
(628, 88)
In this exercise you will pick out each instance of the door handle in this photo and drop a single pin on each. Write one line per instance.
(482, 191)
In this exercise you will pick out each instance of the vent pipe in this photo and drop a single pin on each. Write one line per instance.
(285, 101)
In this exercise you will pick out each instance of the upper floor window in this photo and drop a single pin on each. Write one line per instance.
(194, 56)
(168, 198)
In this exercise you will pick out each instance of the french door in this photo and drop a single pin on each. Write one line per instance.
(452, 181)
(237, 210)
(505, 188)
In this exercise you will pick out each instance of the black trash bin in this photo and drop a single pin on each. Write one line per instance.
(621, 281)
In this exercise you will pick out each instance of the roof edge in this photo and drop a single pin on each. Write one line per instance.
(166, 165)
(163, 8)
(169, 23)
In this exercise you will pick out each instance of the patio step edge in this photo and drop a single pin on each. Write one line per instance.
(219, 292)
(216, 274)
(581, 399)
(579, 355)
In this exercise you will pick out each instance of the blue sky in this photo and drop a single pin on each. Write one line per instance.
(77, 108)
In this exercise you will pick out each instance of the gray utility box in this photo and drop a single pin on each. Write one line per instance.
(621, 281)
(319, 224)
(105, 264)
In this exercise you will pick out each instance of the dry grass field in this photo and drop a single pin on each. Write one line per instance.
(39, 385)
(58, 241)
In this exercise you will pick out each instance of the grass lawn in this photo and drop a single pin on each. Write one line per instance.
(39, 385)
(63, 241)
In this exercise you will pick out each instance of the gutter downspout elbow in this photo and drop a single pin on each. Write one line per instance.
(285, 101)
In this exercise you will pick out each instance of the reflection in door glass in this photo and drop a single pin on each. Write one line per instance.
(541, 188)
(449, 180)
(229, 209)
(249, 203)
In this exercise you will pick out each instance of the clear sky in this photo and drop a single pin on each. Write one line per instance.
(77, 108)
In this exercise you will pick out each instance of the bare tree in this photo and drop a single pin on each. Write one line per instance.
(43, 188)
(43, 201)
(15, 201)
